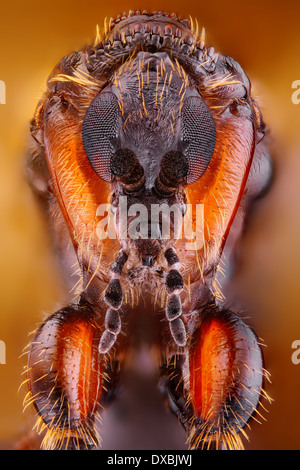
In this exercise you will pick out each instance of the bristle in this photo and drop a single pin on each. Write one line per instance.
(98, 37)
(202, 38)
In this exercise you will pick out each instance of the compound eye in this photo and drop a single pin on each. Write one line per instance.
(99, 132)
(198, 136)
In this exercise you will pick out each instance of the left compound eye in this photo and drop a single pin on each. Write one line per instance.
(198, 136)
(99, 131)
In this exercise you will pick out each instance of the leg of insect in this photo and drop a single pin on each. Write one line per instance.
(174, 285)
(217, 385)
(113, 297)
(65, 377)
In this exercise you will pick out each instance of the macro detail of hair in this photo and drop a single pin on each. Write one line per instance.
(151, 114)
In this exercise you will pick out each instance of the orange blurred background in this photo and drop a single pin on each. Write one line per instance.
(263, 36)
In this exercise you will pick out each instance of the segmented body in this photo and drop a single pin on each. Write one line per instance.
(147, 115)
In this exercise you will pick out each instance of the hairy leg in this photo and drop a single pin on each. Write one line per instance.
(216, 387)
(65, 377)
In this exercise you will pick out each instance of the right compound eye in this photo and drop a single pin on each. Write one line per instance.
(99, 132)
(198, 136)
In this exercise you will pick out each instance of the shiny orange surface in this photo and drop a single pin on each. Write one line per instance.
(211, 366)
(79, 369)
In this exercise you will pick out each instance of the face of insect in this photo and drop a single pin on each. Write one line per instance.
(152, 124)
(149, 121)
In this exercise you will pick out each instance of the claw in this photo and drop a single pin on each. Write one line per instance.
(225, 379)
(65, 375)
(216, 387)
